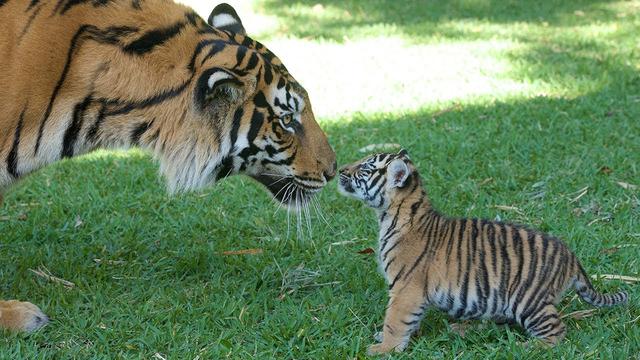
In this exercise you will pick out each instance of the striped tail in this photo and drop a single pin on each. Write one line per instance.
(590, 295)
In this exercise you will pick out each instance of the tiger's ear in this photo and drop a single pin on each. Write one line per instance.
(225, 17)
(403, 152)
(216, 85)
(397, 173)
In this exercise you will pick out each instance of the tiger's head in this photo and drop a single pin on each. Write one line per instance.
(270, 130)
(223, 104)
(379, 179)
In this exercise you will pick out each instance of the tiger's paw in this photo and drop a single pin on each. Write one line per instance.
(21, 316)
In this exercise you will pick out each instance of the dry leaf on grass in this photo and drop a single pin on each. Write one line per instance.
(242, 252)
(22, 217)
(366, 251)
(605, 170)
(459, 328)
(109, 262)
(78, 222)
(582, 192)
(44, 273)
(615, 249)
(627, 186)
(624, 278)
(508, 208)
(580, 314)
(372, 147)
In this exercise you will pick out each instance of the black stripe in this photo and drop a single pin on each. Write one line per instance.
(12, 158)
(153, 38)
(110, 35)
(32, 4)
(136, 4)
(218, 45)
(257, 119)
(63, 76)
(483, 284)
(389, 264)
(451, 239)
(398, 275)
(71, 3)
(386, 253)
(240, 54)
(463, 225)
(518, 247)
(71, 134)
(491, 238)
(464, 292)
(433, 225)
(235, 126)
(92, 133)
(33, 15)
(260, 101)
(2, 2)
(505, 271)
(268, 74)
(549, 264)
(253, 61)
(121, 108)
(139, 130)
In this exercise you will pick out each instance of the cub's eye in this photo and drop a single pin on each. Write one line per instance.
(287, 122)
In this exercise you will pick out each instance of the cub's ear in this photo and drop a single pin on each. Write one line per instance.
(403, 152)
(397, 172)
(217, 85)
(225, 17)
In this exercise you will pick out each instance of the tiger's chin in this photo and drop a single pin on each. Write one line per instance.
(287, 191)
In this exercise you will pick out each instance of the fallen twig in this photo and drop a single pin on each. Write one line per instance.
(43, 272)
(580, 314)
(624, 278)
(242, 252)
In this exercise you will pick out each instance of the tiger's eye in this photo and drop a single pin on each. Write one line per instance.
(287, 120)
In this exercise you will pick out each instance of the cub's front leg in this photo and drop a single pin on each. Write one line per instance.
(402, 318)
(21, 316)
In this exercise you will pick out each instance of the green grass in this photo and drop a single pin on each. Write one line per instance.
(163, 285)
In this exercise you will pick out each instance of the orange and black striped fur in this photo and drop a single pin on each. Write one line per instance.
(469, 268)
(205, 99)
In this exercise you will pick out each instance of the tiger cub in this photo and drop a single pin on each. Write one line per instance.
(468, 268)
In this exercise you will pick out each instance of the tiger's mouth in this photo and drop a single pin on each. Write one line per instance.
(287, 189)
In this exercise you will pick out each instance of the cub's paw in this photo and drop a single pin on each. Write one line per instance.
(377, 349)
(378, 336)
(383, 348)
(21, 316)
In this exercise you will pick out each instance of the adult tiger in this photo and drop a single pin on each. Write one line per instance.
(205, 99)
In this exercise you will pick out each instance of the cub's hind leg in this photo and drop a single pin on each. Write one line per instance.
(21, 316)
(546, 325)
(402, 318)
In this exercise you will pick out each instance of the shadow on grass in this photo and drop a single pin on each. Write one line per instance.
(335, 19)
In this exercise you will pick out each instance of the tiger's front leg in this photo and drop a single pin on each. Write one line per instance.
(402, 318)
(21, 316)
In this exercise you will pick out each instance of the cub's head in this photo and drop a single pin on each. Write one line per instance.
(378, 179)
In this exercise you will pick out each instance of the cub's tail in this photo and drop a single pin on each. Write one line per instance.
(592, 296)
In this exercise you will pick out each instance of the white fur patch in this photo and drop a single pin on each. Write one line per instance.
(222, 20)
(217, 76)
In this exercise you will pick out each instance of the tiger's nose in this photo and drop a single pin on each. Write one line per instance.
(331, 173)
